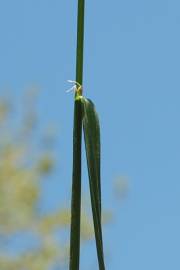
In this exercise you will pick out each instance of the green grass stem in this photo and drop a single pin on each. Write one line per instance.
(77, 142)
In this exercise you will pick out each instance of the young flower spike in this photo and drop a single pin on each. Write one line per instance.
(77, 88)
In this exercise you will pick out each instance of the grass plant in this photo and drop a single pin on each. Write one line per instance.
(86, 120)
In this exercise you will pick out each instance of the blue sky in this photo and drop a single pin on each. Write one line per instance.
(131, 72)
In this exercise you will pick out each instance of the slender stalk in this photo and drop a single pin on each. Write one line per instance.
(76, 189)
(80, 42)
(77, 142)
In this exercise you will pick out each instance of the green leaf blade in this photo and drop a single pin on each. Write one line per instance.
(92, 142)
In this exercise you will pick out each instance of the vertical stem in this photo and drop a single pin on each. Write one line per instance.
(76, 189)
(80, 42)
(77, 141)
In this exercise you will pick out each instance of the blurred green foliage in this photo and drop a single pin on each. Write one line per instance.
(23, 166)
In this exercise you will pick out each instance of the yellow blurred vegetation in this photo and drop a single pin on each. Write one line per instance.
(22, 168)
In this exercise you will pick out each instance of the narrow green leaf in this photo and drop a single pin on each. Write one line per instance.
(92, 142)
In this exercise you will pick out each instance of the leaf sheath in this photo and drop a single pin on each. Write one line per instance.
(76, 188)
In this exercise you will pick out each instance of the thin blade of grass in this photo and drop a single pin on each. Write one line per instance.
(92, 142)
